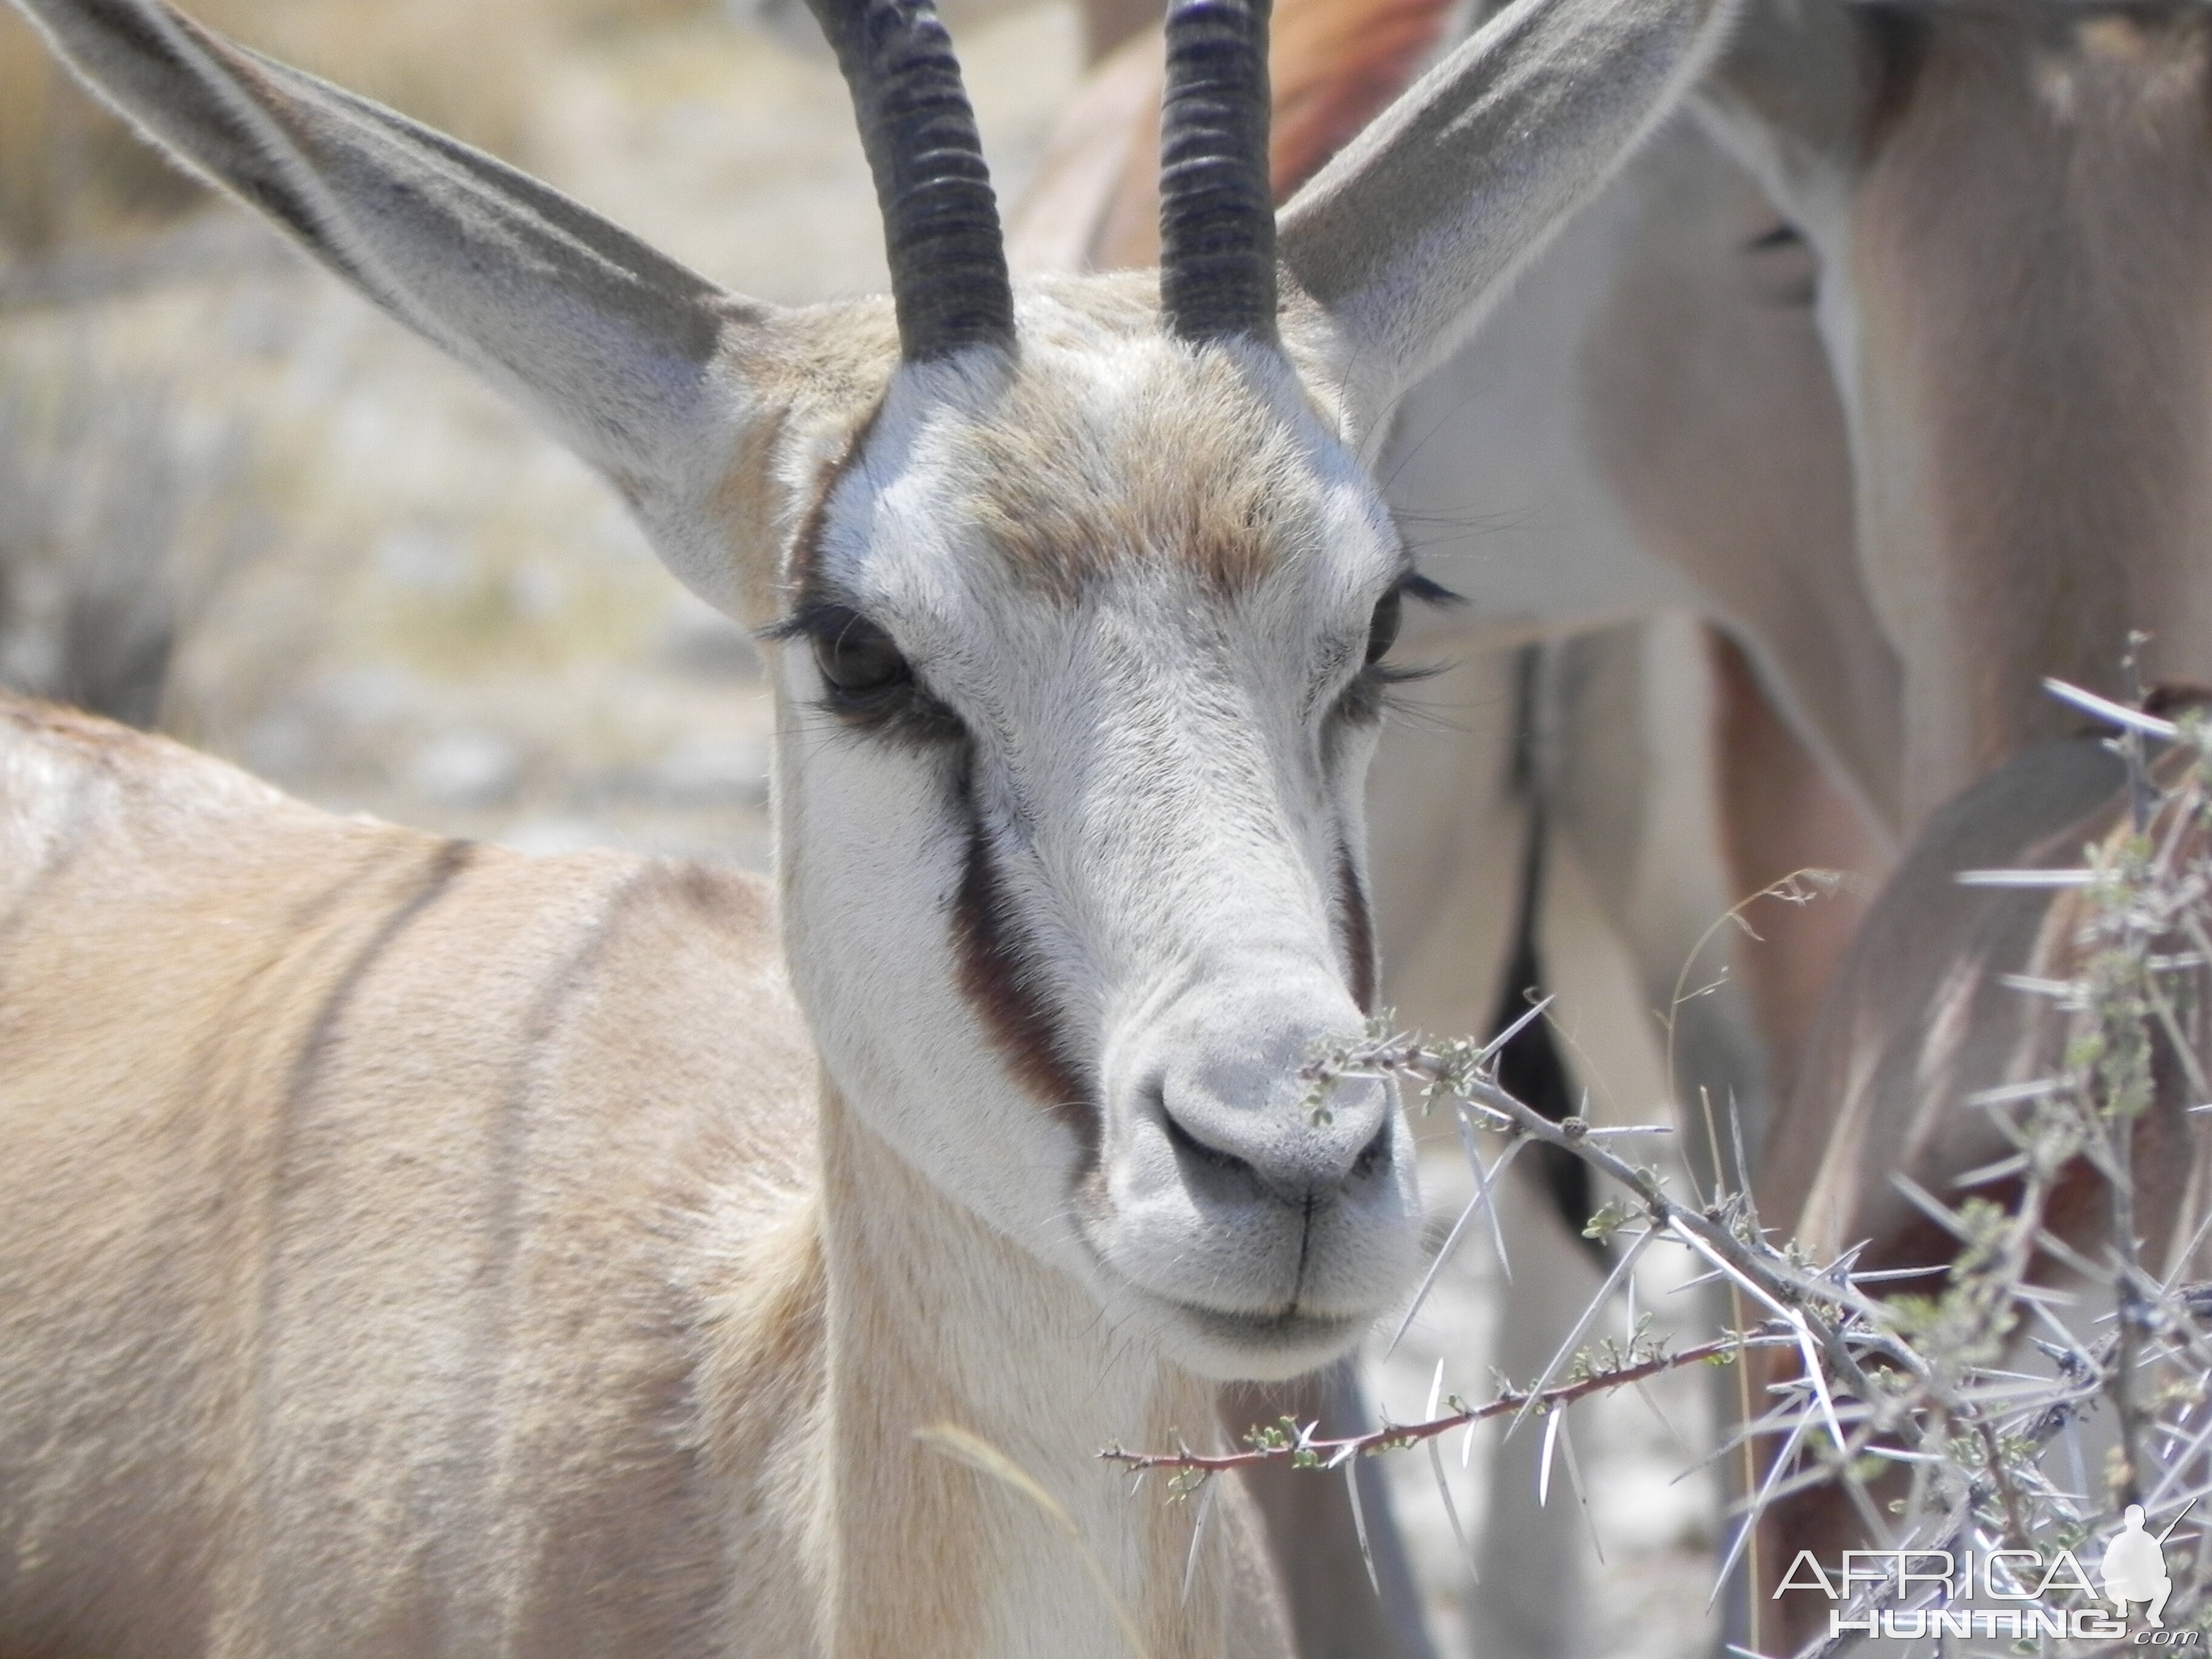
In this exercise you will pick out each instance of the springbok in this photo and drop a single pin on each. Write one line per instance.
(2003, 208)
(416, 1247)
(1969, 309)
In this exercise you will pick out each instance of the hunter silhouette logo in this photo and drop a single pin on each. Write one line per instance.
(2133, 1569)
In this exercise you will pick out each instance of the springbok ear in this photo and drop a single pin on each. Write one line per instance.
(1420, 222)
(634, 361)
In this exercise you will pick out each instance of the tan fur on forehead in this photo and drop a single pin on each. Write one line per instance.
(1196, 465)
(1207, 473)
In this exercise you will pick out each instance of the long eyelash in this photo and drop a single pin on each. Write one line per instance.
(809, 618)
(1389, 705)
(1414, 585)
(1370, 694)
(1390, 674)
(1368, 697)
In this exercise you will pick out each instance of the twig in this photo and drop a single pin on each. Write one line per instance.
(1317, 1453)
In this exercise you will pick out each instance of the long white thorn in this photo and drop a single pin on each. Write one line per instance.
(1359, 1521)
(1437, 1266)
(1544, 1467)
(2105, 708)
(1575, 1480)
(1535, 1013)
(1485, 1186)
(1451, 1513)
(2030, 878)
(1752, 1513)
(1596, 1305)
(1790, 1317)
(1197, 1537)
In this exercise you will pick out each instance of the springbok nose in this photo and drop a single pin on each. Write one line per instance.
(1263, 1135)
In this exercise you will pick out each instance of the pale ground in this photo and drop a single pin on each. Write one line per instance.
(400, 600)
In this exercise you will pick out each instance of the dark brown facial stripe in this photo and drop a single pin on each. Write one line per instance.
(805, 572)
(1357, 927)
(1002, 976)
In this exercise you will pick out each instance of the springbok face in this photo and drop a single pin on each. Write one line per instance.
(1081, 682)
(2011, 210)
(1081, 668)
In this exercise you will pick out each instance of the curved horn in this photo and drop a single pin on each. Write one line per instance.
(947, 258)
(1217, 211)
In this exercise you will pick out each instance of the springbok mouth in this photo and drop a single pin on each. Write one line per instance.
(1293, 1328)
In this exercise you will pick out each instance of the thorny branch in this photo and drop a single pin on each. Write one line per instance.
(1300, 1446)
(1906, 1401)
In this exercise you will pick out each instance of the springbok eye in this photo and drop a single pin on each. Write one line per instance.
(1784, 269)
(1365, 699)
(871, 684)
(1383, 631)
(856, 657)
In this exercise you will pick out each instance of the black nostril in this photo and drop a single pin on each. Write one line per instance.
(1372, 1155)
(1294, 1182)
(1191, 1149)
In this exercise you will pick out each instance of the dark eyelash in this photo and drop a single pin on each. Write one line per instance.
(910, 711)
(1424, 590)
(810, 619)
(1386, 673)
(1368, 698)
(912, 714)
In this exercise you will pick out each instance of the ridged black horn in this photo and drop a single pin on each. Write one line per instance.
(947, 257)
(1216, 213)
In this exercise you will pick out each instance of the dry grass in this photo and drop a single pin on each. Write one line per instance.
(116, 514)
(69, 173)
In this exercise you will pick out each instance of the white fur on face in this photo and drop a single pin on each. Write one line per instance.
(1153, 815)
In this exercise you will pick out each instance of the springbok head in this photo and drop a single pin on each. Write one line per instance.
(2010, 209)
(1082, 593)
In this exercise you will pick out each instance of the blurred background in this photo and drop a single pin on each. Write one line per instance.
(239, 506)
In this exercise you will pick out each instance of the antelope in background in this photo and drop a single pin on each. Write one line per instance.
(1884, 356)
(416, 1247)
(2007, 210)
